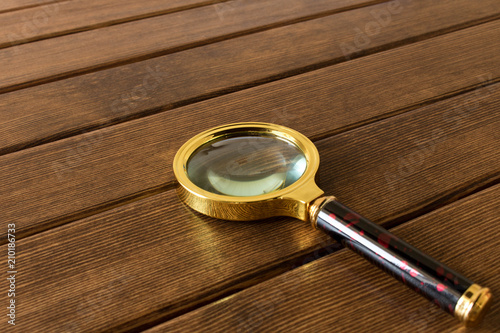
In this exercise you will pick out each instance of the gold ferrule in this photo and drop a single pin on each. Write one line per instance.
(473, 305)
(316, 206)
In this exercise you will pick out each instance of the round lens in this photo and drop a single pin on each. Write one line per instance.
(246, 165)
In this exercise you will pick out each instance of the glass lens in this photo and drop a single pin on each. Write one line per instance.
(246, 165)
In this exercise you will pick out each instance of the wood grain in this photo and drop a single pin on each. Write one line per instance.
(52, 111)
(154, 258)
(32, 63)
(61, 18)
(71, 178)
(11, 5)
(402, 130)
(343, 293)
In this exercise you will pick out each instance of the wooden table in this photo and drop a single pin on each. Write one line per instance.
(402, 99)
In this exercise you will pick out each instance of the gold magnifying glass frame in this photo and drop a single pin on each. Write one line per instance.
(293, 200)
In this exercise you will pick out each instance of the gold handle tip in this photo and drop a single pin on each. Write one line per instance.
(473, 305)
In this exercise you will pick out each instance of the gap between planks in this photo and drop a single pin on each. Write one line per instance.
(81, 28)
(5, 7)
(432, 203)
(471, 242)
(178, 101)
(53, 222)
(109, 64)
(341, 173)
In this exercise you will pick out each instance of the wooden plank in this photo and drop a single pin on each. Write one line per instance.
(341, 292)
(142, 262)
(30, 63)
(9, 5)
(61, 18)
(72, 178)
(40, 114)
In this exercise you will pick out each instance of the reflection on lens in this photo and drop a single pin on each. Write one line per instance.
(246, 165)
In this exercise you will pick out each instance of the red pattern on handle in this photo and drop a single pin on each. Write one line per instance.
(407, 264)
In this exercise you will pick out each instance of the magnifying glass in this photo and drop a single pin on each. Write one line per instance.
(251, 171)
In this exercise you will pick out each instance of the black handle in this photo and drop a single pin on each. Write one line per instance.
(448, 289)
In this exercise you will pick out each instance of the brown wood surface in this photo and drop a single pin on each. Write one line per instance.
(142, 262)
(55, 110)
(49, 59)
(343, 293)
(85, 166)
(12, 5)
(60, 18)
(94, 105)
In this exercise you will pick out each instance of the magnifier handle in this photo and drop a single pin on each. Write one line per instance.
(448, 289)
